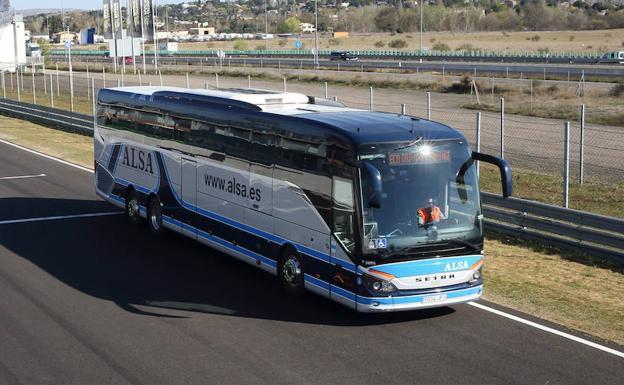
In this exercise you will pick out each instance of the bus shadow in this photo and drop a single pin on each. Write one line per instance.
(108, 258)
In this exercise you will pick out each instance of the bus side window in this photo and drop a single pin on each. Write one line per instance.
(344, 212)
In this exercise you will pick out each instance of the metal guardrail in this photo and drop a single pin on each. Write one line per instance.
(570, 229)
(47, 116)
(557, 226)
(589, 57)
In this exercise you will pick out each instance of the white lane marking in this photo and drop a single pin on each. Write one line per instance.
(10, 221)
(548, 329)
(477, 305)
(47, 156)
(21, 177)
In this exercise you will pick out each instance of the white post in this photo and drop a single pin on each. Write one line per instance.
(217, 79)
(403, 109)
(3, 86)
(566, 164)
(160, 78)
(284, 80)
(51, 91)
(187, 81)
(428, 105)
(478, 138)
(248, 81)
(370, 98)
(93, 101)
(58, 87)
(492, 89)
(71, 80)
(326, 91)
(502, 128)
(34, 91)
(140, 80)
(582, 147)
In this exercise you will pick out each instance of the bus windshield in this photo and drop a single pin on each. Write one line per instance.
(429, 196)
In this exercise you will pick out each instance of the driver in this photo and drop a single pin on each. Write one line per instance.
(430, 213)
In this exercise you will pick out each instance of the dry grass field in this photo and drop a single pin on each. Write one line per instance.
(554, 41)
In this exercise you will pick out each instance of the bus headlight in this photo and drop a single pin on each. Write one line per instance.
(476, 275)
(378, 285)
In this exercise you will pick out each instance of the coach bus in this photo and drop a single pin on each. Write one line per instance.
(377, 211)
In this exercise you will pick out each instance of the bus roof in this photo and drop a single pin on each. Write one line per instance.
(360, 126)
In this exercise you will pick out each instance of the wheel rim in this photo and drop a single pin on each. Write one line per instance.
(133, 207)
(291, 271)
(155, 216)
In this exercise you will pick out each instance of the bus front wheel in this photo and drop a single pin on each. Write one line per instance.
(132, 206)
(291, 272)
(154, 216)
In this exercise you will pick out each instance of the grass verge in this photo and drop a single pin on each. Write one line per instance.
(571, 289)
(593, 197)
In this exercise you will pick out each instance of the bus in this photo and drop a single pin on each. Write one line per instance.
(377, 211)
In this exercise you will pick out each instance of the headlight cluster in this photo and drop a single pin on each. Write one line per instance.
(476, 275)
(377, 285)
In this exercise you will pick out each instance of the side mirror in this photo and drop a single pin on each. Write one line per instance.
(373, 183)
(503, 166)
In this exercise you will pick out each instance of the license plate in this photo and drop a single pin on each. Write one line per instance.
(434, 298)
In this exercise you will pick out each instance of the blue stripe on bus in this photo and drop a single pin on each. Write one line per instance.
(316, 282)
(221, 242)
(343, 293)
(429, 266)
(271, 237)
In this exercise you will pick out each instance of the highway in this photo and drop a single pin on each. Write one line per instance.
(559, 70)
(94, 300)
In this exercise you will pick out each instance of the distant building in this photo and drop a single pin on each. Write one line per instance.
(62, 37)
(307, 28)
(202, 31)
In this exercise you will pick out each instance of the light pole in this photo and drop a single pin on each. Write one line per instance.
(266, 26)
(15, 45)
(316, 62)
(421, 24)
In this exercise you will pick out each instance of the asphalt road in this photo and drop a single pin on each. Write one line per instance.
(477, 69)
(93, 300)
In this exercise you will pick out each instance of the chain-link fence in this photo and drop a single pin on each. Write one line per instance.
(529, 143)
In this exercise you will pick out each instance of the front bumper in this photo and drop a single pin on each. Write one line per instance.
(422, 301)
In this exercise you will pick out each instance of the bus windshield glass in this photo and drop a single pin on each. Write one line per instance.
(429, 196)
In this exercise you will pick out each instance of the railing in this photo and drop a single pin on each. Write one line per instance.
(557, 226)
(388, 54)
(568, 229)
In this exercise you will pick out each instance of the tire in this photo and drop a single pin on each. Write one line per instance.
(132, 207)
(290, 273)
(154, 217)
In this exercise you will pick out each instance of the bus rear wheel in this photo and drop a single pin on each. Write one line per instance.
(154, 216)
(290, 272)
(132, 206)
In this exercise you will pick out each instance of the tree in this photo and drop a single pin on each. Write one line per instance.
(387, 19)
(290, 25)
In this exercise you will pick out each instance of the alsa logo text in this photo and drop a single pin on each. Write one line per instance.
(138, 159)
(453, 266)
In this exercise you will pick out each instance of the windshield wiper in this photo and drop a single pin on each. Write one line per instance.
(410, 144)
(423, 247)
(461, 242)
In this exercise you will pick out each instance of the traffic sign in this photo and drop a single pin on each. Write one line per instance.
(298, 44)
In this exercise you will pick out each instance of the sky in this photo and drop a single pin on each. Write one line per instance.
(78, 4)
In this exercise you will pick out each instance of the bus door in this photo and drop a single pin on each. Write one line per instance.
(189, 196)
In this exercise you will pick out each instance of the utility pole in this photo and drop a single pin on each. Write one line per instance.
(422, 3)
(154, 16)
(316, 62)
(19, 96)
(142, 32)
(266, 26)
